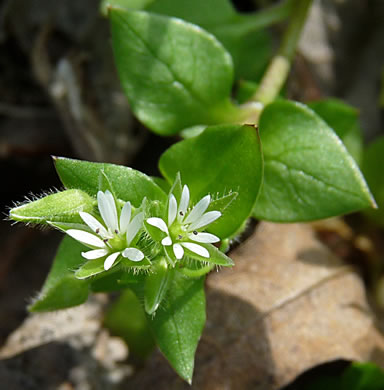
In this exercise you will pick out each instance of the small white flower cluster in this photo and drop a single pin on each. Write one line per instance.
(113, 236)
(185, 225)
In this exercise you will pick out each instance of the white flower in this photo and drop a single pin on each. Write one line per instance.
(184, 226)
(112, 238)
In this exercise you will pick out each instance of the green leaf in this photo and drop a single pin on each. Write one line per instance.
(222, 159)
(170, 86)
(240, 34)
(373, 164)
(128, 184)
(308, 172)
(156, 285)
(60, 207)
(61, 289)
(344, 120)
(179, 322)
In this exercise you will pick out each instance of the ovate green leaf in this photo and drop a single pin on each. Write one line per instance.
(308, 172)
(174, 73)
(128, 184)
(179, 322)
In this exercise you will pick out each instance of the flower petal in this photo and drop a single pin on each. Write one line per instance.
(133, 254)
(159, 223)
(107, 208)
(172, 209)
(196, 248)
(134, 227)
(198, 210)
(94, 254)
(86, 238)
(110, 260)
(184, 202)
(125, 217)
(94, 224)
(178, 251)
(166, 241)
(203, 237)
(205, 220)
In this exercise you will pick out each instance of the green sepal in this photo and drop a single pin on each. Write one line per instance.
(222, 202)
(156, 285)
(128, 184)
(142, 264)
(62, 206)
(61, 288)
(179, 322)
(215, 256)
(94, 267)
(64, 226)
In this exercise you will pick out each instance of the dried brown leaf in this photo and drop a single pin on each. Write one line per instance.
(288, 305)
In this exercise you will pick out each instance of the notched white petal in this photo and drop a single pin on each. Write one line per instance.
(166, 241)
(196, 248)
(133, 254)
(110, 260)
(125, 217)
(178, 251)
(134, 227)
(172, 209)
(207, 238)
(94, 254)
(159, 223)
(94, 224)
(198, 210)
(205, 220)
(86, 238)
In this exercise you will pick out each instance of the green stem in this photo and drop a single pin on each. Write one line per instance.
(278, 69)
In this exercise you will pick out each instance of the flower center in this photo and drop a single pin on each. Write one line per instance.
(117, 243)
(177, 232)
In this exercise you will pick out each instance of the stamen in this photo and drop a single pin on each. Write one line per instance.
(179, 236)
(116, 231)
(181, 213)
(195, 232)
(97, 231)
(105, 240)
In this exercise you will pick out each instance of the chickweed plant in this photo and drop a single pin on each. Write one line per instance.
(249, 153)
